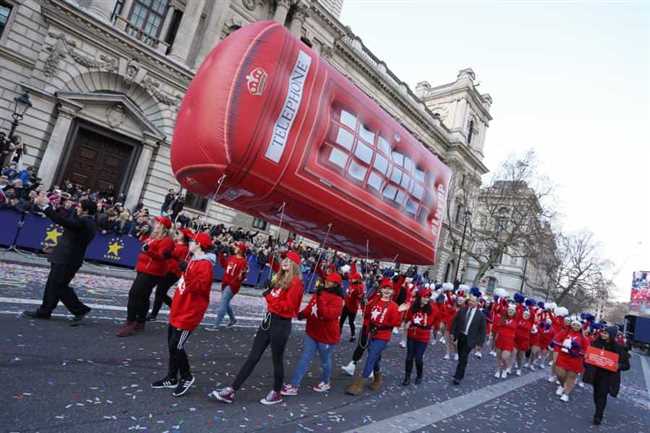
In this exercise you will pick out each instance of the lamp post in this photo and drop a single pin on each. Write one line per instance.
(468, 214)
(21, 104)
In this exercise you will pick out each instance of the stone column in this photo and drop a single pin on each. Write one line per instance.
(54, 151)
(102, 9)
(187, 31)
(281, 11)
(298, 19)
(214, 27)
(140, 173)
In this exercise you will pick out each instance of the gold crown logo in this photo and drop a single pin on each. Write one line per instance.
(256, 81)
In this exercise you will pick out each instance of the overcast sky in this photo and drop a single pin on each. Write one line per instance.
(569, 79)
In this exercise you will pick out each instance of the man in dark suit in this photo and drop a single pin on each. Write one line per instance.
(66, 259)
(468, 331)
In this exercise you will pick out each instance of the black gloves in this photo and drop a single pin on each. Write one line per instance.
(145, 247)
(182, 266)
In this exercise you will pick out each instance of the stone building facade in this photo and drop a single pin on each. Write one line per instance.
(106, 78)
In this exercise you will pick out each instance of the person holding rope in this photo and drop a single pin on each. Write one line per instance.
(283, 302)
(235, 268)
(179, 255)
(191, 300)
(382, 315)
(420, 320)
(151, 267)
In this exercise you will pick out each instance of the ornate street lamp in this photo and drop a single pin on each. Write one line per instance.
(22, 103)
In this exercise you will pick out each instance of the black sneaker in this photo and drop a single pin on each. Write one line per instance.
(183, 386)
(418, 380)
(232, 323)
(151, 317)
(352, 339)
(36, 315)
(406, 381)
(77, 318)
(165, 383)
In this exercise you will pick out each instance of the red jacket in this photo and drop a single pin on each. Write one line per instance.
(421, 324)
(179, 254)
(192, 295)
(354, 297)
(285, 302)
(323, 313)
(383, 316)
(154, 260)
(235, 269)
(508, 328)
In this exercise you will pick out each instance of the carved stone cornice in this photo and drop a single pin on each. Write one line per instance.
(108, 38)
(59, 47)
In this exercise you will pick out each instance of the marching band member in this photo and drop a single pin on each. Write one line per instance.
(505, 343)
(570, 359)
(522, 339)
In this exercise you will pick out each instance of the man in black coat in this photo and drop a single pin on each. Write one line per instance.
(66, 259)
(467, 331)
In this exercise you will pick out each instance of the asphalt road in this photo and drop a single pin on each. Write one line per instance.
(84, 379)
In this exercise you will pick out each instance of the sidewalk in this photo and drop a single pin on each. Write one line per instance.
(27, 258)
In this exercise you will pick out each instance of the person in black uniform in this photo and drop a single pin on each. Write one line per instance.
(66, 259)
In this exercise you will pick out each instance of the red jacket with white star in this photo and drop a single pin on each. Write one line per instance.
(323, 313)
(285, 302)
(420, 324)
(234, 271)
(382, 317)
(154, 260)
(354, 296)
(192, 295)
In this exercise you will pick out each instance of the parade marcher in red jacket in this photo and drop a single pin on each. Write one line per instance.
(190, 302)
(151, 267)
(235, 268)
(353, 300)
(522, 339)
(182, 237)
(322, 333)
(420, 319)
(570, 358)
(283, 303)
(505, 343)
(383, 315)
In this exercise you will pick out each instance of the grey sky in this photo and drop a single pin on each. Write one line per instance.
(570, 79)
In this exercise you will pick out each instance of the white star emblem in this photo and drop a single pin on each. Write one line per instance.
(181, 285)
(374, 314)
(314, 310)
(275, 292)
(417, 320)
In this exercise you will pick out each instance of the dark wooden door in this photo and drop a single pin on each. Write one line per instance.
(97, 161)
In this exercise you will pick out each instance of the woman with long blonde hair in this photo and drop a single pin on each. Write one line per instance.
(283, 303)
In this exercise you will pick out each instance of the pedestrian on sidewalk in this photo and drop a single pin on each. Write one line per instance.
(179, 255)
(322, 333)
(190, 302)
(468, 331)
(283, 303)
(605, 381)
(151, 267)
(420, 320)
(383, 314)
(235, 268)
(65, 260)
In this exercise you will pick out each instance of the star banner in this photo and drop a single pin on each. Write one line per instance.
(38, 232)
(114, 249)
(9, 221)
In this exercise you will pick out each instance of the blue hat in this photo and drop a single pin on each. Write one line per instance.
(540, 304)
(530, 302)
(519, 298)
(475, 291)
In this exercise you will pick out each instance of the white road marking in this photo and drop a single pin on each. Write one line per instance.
(426, 416)
(646, 371)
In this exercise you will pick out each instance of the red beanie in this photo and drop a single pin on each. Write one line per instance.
(386, 282)
(166, 222)
(334, 277)
(425, 292)
(294, 257)
(356, 277)
(204, 240)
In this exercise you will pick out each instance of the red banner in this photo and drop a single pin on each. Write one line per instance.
(602, 358)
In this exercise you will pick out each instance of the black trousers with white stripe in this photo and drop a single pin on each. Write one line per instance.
(178, 361)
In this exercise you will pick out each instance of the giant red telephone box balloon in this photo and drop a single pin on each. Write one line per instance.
(284, 126)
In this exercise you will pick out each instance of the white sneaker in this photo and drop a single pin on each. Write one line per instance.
(532, 367)
(288, 389)
(497, 374)
(372, 374)
(433, 341)
(526, 365)
(493, 353)
(581, 384)
(395, 331)
(550, 363)
(557, 382)
(518, 372)
(402, 344)
(559, 390)
(455, 357)
(446, 356)
(322, 387)
(551, 379)
(349, 369)
(509, 370)
(442, 340)
(479, 355)
(564, 397)
(504, 374)
(271, 398)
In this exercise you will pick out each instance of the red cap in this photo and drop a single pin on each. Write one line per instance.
(204, 240)
(334, 277)
(356, 277)
(166, 222)
(242, 247)
(189, 234)
(386, 282)
(294, 257)
(425, 292)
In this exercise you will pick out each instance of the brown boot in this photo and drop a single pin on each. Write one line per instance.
(126, 330)
(139, 326)
(356, 387)
(375, 385)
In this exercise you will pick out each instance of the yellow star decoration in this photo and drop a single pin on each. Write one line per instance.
(52, 235)
(114, 248)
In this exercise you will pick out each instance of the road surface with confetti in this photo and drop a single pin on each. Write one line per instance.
(84, 379)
